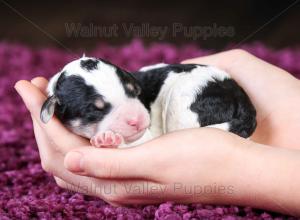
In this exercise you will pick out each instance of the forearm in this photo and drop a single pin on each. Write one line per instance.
(268, 178)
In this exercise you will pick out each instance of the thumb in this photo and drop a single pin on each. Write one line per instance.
(109, 163)
(34, 98)
(223, 60)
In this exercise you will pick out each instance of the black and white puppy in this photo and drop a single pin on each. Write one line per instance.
(191, 95)
(112, 107)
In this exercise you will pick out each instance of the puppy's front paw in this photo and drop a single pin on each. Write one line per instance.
(107, 139)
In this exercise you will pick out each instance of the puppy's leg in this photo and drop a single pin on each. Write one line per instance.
(107, 139)
(178, 116)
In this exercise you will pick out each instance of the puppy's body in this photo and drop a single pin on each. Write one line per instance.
(189, 96)
(93, 97)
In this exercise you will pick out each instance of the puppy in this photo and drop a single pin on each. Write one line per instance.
(112, 107)
(97, 100)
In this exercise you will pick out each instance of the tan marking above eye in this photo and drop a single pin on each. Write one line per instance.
(130, 87)
(99, 103)
(76, 123)
(138, 91)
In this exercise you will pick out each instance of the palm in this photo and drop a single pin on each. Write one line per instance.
(275, 96)
(278, 120)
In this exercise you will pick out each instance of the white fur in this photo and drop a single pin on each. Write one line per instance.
(146, 137)
(223, 126)
(52, 84)
(107, 83)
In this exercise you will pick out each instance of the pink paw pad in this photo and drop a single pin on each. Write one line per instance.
(107, 139)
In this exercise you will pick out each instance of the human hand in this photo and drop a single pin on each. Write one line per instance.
(207, 166)
(54, 141)
(105, 170)
(124, 170)
(273, 91)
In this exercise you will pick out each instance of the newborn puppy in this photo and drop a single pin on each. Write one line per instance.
(181, 96)
(100, 101)
(97, 100)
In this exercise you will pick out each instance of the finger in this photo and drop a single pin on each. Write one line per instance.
(81, 188)
(223, 60)
(242, 66)
(34, 99)
(115, 193)
(109, 163)
(72, 186)
(40, 135)
(43, 142)
(41, 83)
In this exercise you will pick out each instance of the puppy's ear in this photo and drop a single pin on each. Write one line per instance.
(48, 109)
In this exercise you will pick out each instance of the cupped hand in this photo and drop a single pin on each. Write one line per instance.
(54, 140)
(162, 169)
(179, 165)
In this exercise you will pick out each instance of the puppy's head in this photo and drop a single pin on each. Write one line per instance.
(91, 95)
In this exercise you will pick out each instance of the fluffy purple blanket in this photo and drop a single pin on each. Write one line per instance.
(27, 192)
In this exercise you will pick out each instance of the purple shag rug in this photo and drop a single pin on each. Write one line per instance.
(27, 192)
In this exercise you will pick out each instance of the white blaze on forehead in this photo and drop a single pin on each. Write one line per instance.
(104, 79)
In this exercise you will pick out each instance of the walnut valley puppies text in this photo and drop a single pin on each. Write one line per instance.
(147, 30)
(147, 188)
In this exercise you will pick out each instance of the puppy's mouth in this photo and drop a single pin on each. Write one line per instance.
(134, 136)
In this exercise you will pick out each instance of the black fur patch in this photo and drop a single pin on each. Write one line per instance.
(225, 101)
(152, 80)
(77, 100)
(179, 68)
(89, 64)
(106, 62)
(128, 78)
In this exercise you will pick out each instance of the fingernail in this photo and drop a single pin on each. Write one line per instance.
(73, 161)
